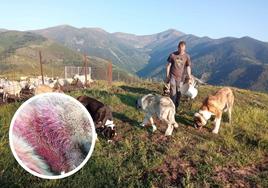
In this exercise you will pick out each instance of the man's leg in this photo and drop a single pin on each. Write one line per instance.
(178, 99)
(173, 90)
(178, 94)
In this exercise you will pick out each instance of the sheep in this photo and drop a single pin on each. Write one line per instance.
(11, 88)
(24, 78)
(1, 92)
(35, 81)
(82, 78)
(64, 81)
(24, 84)
(3, 81)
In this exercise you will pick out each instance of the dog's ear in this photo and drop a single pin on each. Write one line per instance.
(82, 100)
(149, 99)
(101, 112)
(107, 114)
(79, 98)
(99, 123)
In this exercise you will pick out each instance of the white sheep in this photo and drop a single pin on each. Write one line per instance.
(82, 78)
(11, 88)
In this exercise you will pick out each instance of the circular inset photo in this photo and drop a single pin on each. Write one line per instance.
(52, 135)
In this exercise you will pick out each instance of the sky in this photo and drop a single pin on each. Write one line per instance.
(213, 18)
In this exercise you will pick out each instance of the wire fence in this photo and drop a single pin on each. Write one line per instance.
(71, 71)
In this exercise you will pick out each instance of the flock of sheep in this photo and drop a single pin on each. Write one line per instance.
(32, 85)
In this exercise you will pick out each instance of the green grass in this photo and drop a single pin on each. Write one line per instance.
(139, 158)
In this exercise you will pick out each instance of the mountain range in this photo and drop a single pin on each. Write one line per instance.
(19, 56)
(240, 62)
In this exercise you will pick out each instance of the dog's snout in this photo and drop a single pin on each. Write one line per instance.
(196, 126)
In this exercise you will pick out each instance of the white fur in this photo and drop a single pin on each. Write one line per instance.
(169, 130)
(82, 78)
(154, 127)
(11, 88)
(206, 114)
(217, 125)
(28, 156)
(163, 107)
(142, 124)
(109, 123)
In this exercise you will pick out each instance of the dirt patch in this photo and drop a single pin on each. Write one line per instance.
(240, 177)
(174, 170)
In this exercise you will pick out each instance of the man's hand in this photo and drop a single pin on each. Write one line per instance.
(188, 80)
(167, 79)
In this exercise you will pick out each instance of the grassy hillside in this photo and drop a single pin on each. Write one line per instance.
(19, 56)
(137, 158)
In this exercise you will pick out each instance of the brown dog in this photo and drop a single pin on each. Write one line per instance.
(46, 89)
(101, 115)
(221, 101)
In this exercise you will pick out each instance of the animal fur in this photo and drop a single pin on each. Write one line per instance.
(101, 115)
(162, 106)
(221, 101)
(57, 130)
(12, 88)
(29, 157)
(45, 89)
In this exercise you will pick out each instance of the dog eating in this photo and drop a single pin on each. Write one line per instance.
(101, 115)
(221, 101)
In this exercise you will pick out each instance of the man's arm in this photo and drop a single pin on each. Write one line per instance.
(168, 69)
(188, 70)
(168, 72)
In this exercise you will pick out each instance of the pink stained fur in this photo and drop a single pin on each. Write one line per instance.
(46, 125)
(27, 154)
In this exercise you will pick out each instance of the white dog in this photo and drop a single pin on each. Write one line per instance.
(162, 106)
